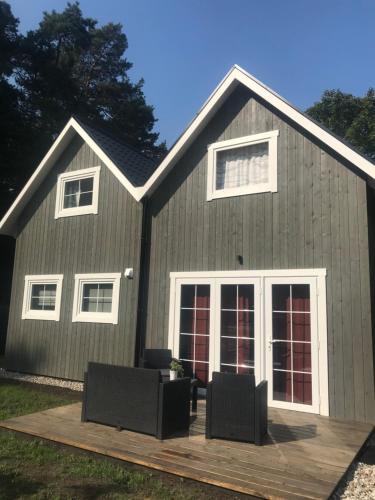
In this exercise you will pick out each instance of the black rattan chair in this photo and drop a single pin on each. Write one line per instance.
(236, 408)
(136, 399)
(158, 359)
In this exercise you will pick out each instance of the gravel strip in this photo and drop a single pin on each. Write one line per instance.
(359, 482)
(34, 379)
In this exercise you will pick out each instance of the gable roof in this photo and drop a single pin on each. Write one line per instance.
(127, 165)
(141, 175)
(233, 78)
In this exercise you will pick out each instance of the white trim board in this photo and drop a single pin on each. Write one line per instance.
(7, 223)
(235, 76)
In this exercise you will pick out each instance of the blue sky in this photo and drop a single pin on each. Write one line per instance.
(183, 48)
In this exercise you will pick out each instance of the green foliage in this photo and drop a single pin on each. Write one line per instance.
(67, 66)
(19, 399)
(348, 116)
(176, 366)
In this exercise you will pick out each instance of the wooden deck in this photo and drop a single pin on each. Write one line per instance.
(305, 456)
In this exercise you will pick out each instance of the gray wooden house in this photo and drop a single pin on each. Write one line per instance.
(249, 248)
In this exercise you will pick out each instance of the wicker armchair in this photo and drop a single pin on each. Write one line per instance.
(236, 408)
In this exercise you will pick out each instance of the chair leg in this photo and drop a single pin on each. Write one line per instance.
(194, 399)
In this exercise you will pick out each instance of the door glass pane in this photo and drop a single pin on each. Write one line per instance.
(229, 351)
(281, 297)
(302, 356)
(302, 389)
(282, 356)
(229, 297)
(282, 326)
(245, 297)
(186, 346)
(194, 331)
(188, 296)
(301, 327)
(301, 298)
(237, 328)
(202, 299)
(229, 323)
(291, 343)
(187, 319)
(282, 386)
(245, 324)
(202, 321)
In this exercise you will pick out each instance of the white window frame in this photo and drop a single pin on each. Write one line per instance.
(90, 317)
(76, 175)
(262, 280)
(249, 140)
(41, 279)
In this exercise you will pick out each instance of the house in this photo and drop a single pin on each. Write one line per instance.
(250, 247)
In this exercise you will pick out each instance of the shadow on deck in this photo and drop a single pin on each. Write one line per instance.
(304, 456)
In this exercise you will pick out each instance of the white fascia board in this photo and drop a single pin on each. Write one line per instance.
(238, 75)
(72, 127)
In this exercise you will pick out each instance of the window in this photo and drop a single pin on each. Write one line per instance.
(77, 193)
(42, 297)
(96, 298)
(242, 166)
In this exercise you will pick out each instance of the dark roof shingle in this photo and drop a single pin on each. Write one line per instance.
(136, 167)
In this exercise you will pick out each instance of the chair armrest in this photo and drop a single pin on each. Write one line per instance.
(261, 412)
(174, 407)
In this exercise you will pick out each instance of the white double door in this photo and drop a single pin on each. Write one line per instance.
(266, 325)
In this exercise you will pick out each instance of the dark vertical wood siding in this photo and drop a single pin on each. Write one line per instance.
(106, 242)
(317, 219)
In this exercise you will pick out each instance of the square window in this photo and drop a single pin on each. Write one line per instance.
(42, 297)
(96, 298)
(246, 165)
(77, 193)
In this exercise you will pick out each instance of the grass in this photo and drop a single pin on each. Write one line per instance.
(34, 469)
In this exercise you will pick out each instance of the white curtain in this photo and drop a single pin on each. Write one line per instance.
(242, 166)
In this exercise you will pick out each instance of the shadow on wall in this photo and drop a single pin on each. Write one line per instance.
(25, 358)
(7, 247)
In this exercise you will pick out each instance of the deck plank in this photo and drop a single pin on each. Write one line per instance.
(305, 455)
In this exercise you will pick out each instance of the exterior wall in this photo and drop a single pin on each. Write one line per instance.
(317, 219)
(106, 242)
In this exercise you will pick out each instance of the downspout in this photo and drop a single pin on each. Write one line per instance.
(141, 306)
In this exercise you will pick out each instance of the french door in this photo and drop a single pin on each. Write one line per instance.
(262, 324)
(291, 354)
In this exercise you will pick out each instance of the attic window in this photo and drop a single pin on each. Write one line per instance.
(246, 165)
(77, 193)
